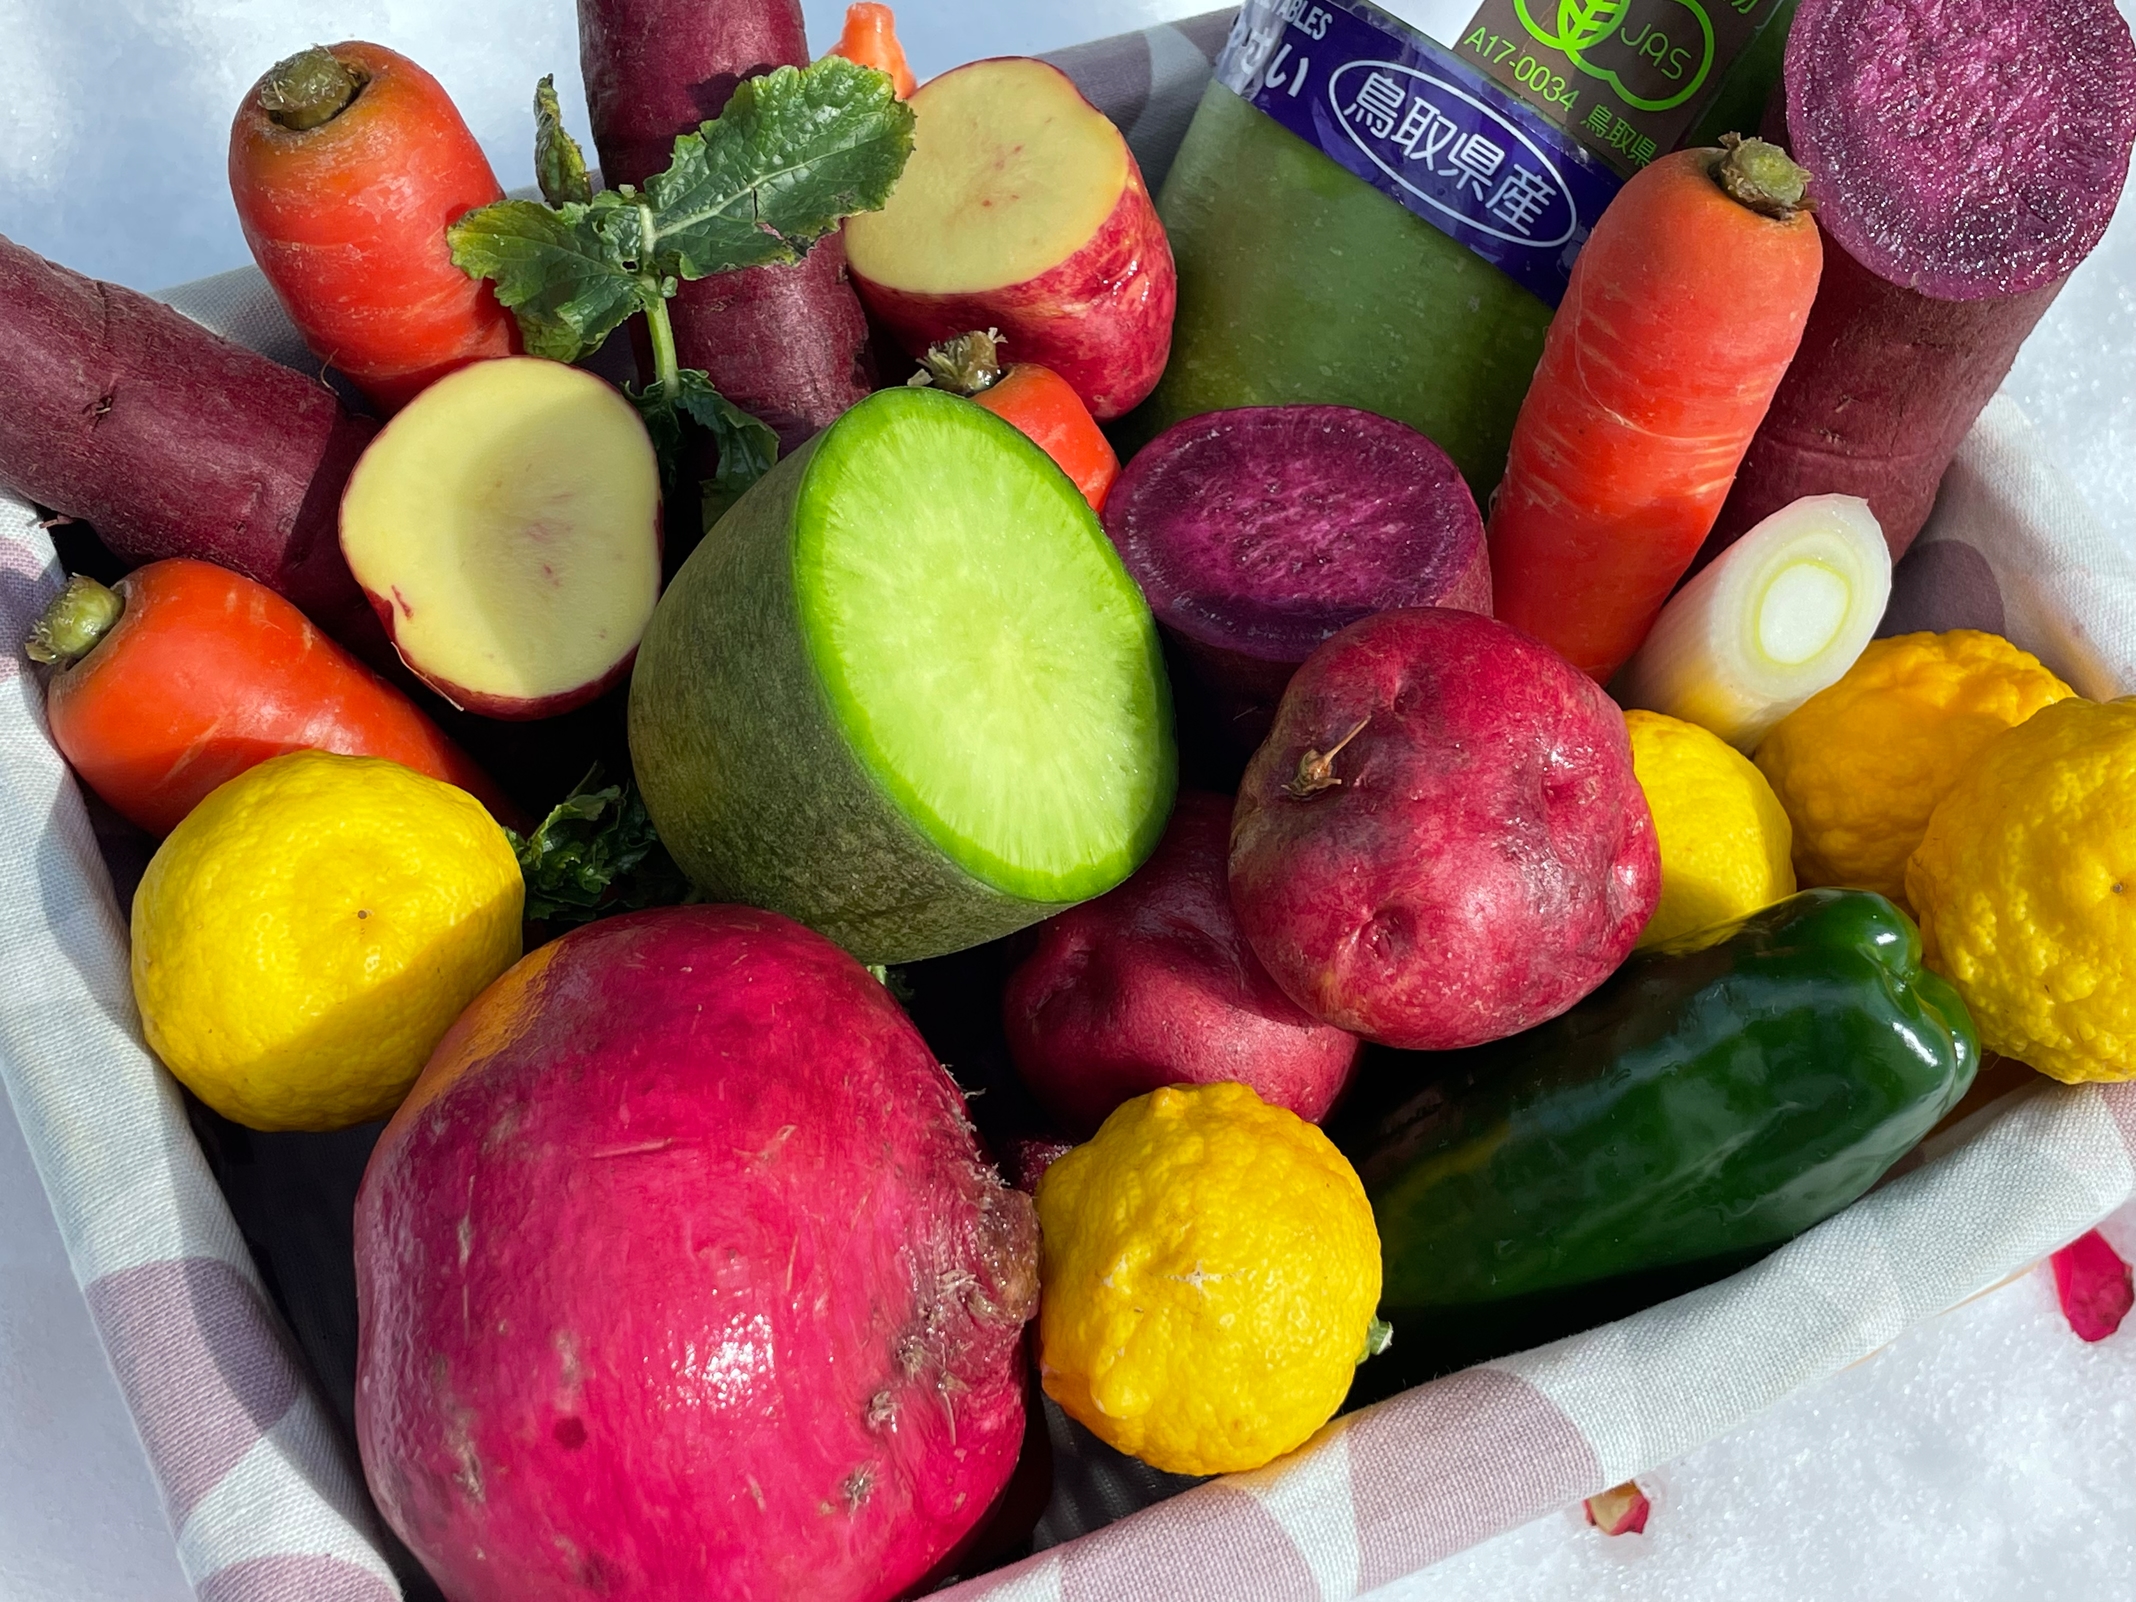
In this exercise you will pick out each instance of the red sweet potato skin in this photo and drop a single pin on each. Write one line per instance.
(1153, 984)
(789, 345)
(172, 441)
(658, 68)
(1882, 390)
(786, 344)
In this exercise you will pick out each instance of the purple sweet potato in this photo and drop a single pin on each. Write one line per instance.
(1259, 532)
(786, 344)
(171, 441)
(1965, 156)
(1153, 984)
(1442, 841)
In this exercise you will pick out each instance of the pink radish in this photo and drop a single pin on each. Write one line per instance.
(680, 1276)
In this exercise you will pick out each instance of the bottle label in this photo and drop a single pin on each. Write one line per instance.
(1627, 77)
(1426, 128)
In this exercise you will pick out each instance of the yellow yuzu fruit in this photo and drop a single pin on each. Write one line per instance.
(1723, 835)
(305, 937)
(1861, 765)
(1209, 1270)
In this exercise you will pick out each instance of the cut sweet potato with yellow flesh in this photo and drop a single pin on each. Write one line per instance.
(1012, 172)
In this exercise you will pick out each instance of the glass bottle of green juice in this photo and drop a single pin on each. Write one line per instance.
(1365, 216)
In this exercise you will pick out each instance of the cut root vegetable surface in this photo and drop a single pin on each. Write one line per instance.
(1267, 529)
(991, 203)
(1963, 147)
(906, 694)
(1961, 169)
(1261, 531)
(1022, 209)
(967, 707)
(1781, 615)
(506, 527)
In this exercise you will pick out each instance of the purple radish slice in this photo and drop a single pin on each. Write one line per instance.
(1963, 147)
(1259, 532)
(1964, 157)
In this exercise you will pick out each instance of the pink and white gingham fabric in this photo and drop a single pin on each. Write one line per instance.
(262, 1489)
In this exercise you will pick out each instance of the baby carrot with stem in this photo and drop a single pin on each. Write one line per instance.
(186, 674)
(1684, 309)
(347, 163)
(1042, 405)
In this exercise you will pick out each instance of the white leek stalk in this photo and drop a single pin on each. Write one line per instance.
(1776, 617)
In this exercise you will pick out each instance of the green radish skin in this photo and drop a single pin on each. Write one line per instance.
(904, 692)
(1422, 329)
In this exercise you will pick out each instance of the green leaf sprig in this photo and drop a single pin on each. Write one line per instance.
(794, 153)
(595, 854)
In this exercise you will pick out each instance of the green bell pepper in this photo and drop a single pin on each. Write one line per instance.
(1718, 1095)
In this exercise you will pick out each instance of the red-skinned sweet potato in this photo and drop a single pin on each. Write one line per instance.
(680, 1276)
(1259, 532)
(1022, 210)
(1442, 841)
(171, 441)
(786, 344)
(1965, 156)
(1153, 984)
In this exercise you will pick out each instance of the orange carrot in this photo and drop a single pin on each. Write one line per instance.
(346, 165)
(870, 40)
(187, 674)
(1038, 401)
(1684, 309)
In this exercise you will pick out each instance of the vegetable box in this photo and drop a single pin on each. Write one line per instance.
(233, 1346)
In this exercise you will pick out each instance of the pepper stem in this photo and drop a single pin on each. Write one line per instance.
(1316, 769)
(309, 88)
(81, 615)
(1762, 177)
(968, 365)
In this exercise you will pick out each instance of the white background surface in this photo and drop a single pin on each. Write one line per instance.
(1987, 1455)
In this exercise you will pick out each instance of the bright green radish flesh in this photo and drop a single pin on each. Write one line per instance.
(905, 692)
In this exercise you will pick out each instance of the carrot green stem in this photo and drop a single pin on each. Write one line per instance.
(309, 88)
(1761, 176)
(82, 614)
(970, 364)
(667, 366)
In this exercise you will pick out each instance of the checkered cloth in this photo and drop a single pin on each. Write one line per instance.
(263, 1490)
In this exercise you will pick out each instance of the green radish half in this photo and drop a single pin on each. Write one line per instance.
(905, 692)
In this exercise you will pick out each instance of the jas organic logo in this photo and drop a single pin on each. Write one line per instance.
(1584, 26)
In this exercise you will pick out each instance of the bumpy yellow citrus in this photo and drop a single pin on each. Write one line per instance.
(1723, 834)
(1860, 766)
(305, 937)
(2026, 889)
(1209, 1269)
